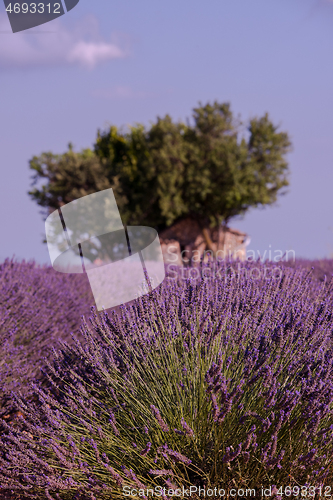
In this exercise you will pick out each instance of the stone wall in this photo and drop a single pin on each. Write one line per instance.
(188, 239)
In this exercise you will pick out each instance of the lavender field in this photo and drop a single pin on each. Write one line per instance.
(215, 380)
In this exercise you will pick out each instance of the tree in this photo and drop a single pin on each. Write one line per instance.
(207, 171)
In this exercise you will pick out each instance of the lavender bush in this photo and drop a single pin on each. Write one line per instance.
(38, 307)
(216, 382)
(322, 269)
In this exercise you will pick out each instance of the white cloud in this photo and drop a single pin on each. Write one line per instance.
(89, 53)
(55, 45)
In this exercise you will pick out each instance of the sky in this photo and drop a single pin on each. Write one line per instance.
(126, 62)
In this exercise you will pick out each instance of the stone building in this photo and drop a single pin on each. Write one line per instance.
(186, 238)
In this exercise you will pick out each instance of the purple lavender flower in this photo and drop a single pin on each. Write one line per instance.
(131, 475)
(174, 455)
(112, 421)
(159, 419)
(187, 428)
(161, 472)
(146, 450)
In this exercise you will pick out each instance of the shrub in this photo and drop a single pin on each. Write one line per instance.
(322, 269)
(37, 308)
(208, 382)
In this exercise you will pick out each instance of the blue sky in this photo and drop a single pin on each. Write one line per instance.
(125, 61)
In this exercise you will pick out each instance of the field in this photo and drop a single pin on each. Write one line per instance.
(219, 380)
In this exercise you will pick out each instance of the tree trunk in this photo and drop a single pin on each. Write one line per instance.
(208, 240)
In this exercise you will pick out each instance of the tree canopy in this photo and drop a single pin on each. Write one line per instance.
(209, 170)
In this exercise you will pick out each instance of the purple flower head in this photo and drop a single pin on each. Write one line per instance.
(187, 428)
(174, 455)
(161, 472)
(159, 419)
(146, 450)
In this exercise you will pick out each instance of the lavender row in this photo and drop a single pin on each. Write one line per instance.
(38, 307)
(215, 380)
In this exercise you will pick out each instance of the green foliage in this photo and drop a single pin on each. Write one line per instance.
(68, 176)
(170, 171)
